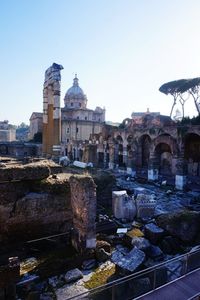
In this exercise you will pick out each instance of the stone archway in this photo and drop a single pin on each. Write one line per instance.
(164, 158)
(166, 154)
(192, 153)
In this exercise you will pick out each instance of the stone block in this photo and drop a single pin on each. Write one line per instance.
(79, 164)
(141, 243)
(153, 233)
(83, 202)
(180, 182)
(145, 205)
(89, 264)
(73, 275)
(32, 171)
(155, 253)
(129, 263)
(123, 206)
(153, 174)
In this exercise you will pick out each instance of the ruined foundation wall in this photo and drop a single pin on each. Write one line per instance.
(83, 201)
(33, 202)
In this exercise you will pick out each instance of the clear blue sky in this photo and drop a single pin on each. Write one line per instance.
(122, 51)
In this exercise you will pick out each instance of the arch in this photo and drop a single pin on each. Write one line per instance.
(130, 139)
(163, 155)
(192, 153)
(169, 140)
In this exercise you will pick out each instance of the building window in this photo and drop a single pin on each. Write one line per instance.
(72, 103)
(67, 140)
(76, 129)
(78, 118)
(99, 119)
(79, 104)
(85, 118)
(68, 130)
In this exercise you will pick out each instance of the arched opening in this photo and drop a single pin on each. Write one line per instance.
(145, 150)
(164, 158)
(130, 139)
(192, 153)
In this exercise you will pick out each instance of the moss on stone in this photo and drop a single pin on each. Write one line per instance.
(135, 233)
(100, 277)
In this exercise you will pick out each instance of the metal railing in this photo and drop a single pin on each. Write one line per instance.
(145, 281)
(195, 297)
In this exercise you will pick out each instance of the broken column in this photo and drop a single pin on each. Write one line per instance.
(123, 206)
(52, 111)
(83, 201)
(153, 167)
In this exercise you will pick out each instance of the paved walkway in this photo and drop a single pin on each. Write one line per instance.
(182, 289)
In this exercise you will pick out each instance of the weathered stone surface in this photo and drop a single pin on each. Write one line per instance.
(128, 263)
(105, 182)
(102, 255)
(145, 205)
(184, 225)
(122, 249)
(123, 206)
(153, 233)
(103, 244)
(89, 264)
(70, 290)
(141, 243)
(73, 275)
(31, 209)
(32, 171)
(155, 253)
(170, 245)
(27, 172)
(83, 201)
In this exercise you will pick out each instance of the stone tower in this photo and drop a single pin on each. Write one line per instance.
(52, 111)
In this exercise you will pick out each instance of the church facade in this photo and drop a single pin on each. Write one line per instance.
(67, 130)
(78, 122)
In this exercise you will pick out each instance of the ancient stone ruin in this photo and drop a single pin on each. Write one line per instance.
(83, 201)
(51, 111)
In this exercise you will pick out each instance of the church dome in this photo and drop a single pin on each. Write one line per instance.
(74, 94)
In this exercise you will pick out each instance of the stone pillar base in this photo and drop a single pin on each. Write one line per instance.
(180, 182)
(153, 174)
(111, 165)
(130, 171)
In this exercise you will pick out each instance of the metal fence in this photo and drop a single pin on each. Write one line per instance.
(142, 282)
